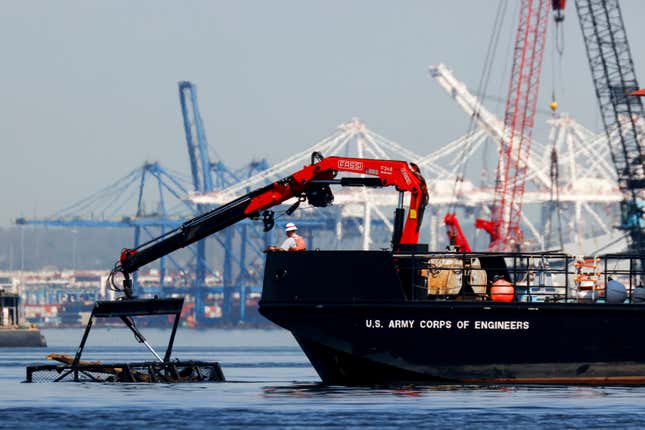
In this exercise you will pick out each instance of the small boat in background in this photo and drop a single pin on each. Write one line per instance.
(12, 334)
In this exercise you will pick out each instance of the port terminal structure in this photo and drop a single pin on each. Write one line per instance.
(112, 207)
(571, 172)
(587, 196)
(585, 189)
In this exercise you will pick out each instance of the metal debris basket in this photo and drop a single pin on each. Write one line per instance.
(163, 370)
(173, 372)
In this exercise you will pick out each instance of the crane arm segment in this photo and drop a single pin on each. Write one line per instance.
(455, 233)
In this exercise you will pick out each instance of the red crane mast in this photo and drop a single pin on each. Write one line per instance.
(504, 225)
(312, 184)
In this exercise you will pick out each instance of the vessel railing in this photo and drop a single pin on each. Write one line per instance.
(535, 276)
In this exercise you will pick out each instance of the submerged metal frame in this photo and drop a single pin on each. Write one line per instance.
(126, 309)
(162, 370)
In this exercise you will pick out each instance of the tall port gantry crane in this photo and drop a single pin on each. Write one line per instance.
(614, 77)
(208, 176)
(200, 169)
(172, 209)
(106, 204)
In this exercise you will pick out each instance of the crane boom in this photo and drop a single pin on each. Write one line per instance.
(614, 77)
(311, 183)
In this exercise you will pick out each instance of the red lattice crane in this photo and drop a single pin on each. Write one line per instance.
(504, 225)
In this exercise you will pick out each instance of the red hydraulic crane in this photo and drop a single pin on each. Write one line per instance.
(312, 184)
(504, 225)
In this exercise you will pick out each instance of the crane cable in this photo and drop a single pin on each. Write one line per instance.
(481, 90)
(555, 197)
(557, 54)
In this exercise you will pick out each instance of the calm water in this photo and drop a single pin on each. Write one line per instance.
(271, 385)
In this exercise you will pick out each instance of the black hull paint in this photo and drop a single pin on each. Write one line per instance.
(354, 340)
(560, 344)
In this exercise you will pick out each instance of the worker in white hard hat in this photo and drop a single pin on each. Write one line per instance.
(293, 242)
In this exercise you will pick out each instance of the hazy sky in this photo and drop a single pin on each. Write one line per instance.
(90, 88)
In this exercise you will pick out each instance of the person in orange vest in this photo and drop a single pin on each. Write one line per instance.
(293, 242)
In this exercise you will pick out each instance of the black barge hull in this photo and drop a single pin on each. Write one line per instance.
(350, 314)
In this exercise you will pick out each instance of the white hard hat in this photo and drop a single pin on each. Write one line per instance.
(290, 227)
